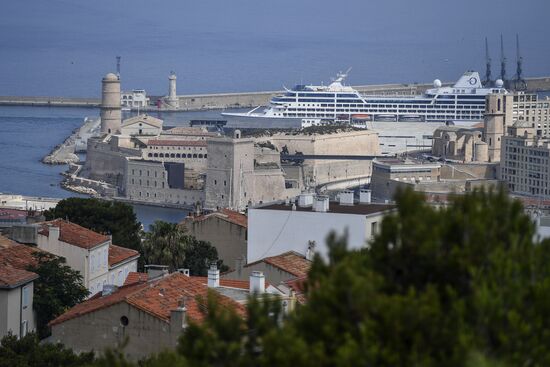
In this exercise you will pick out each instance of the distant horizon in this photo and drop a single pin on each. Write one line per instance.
(64, 48)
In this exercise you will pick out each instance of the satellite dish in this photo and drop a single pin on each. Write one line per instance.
(499, 83)
(437, 83)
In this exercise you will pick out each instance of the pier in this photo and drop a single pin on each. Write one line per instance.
(197, 102)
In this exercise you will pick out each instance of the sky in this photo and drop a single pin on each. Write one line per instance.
(63, 48)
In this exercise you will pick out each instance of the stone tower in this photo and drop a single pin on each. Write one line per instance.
(230, 172)
(173, 100)
(494, 125)
(111, 116)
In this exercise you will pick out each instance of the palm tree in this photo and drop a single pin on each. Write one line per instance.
(165, 244)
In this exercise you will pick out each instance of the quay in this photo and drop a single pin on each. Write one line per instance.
(197, 102)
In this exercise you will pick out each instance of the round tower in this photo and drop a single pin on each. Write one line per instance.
(173, 99)
(494, 125)
(111, 115)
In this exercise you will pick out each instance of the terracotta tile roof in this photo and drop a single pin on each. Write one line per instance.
(230, 283)
(291, 262)
(18, 256)
(5, 242)
(135, 277)
(224, 214)
(74, 234)
(183, 143)
(156, 297)
(298, 286)
(11, 277)
(119, 254)
(12, 214)
(97, 303)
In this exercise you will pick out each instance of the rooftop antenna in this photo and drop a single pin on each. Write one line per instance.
(118, 67)
(502, 61)
(519, 82)
(488, 80)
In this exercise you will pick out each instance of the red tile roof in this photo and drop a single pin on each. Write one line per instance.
(18, 256)
(74, 234)
(298, 286)
(11, 277)
(157, 297)
(291, 262)
(5, 242)
(183, 143)
(225, 214)
(12, 214)
(135, 277)
(119, 254)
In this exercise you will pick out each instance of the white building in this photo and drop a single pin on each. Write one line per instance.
(16, 301)
(134, 99)
(303, 228)
(92, 254)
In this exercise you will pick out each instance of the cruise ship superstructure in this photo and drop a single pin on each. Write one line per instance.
(306, 105)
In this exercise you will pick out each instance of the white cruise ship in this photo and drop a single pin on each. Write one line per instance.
(306, 105)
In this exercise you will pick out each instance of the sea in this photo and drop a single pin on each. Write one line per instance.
(64, 48)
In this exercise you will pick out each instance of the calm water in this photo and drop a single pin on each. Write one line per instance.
(64, 47)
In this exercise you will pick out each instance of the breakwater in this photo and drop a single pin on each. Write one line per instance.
(198, 102)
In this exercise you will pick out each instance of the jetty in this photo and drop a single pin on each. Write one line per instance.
(197, 102)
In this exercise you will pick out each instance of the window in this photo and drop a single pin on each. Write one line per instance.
(373, 228)
(26, 297)
(92, 263)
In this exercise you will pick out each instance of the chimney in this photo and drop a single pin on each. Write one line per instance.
(178, 319)
(321, 204)
(156, 271)
(213, 276)
(305, 200)
(53, 233)
(184, 272)
(364, 196)
(257, 282)
(108, 289)
(346, 197)
(310, 253)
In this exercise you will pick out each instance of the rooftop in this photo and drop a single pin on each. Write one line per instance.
(183, 143)
(291, 262)
(119, 254)
(73, 234)
(156, 297)
(11, 277)
(228, 215)
(12, 214)
(17, 255)
(335, 207)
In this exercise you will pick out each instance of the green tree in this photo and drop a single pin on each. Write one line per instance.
(28, 352)
(170, 244)
(109, 217)
(57, 289)
(464, 285)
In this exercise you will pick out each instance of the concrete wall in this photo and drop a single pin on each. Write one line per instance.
(103, 329)
(272, 232)
(229, 239)
(469, 171)
(12, 312)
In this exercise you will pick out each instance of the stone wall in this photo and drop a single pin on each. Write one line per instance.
(103, 329)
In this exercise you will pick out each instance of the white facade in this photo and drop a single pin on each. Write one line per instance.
(16, 310)
(134, 99)
(92, 263)
(275, 231)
